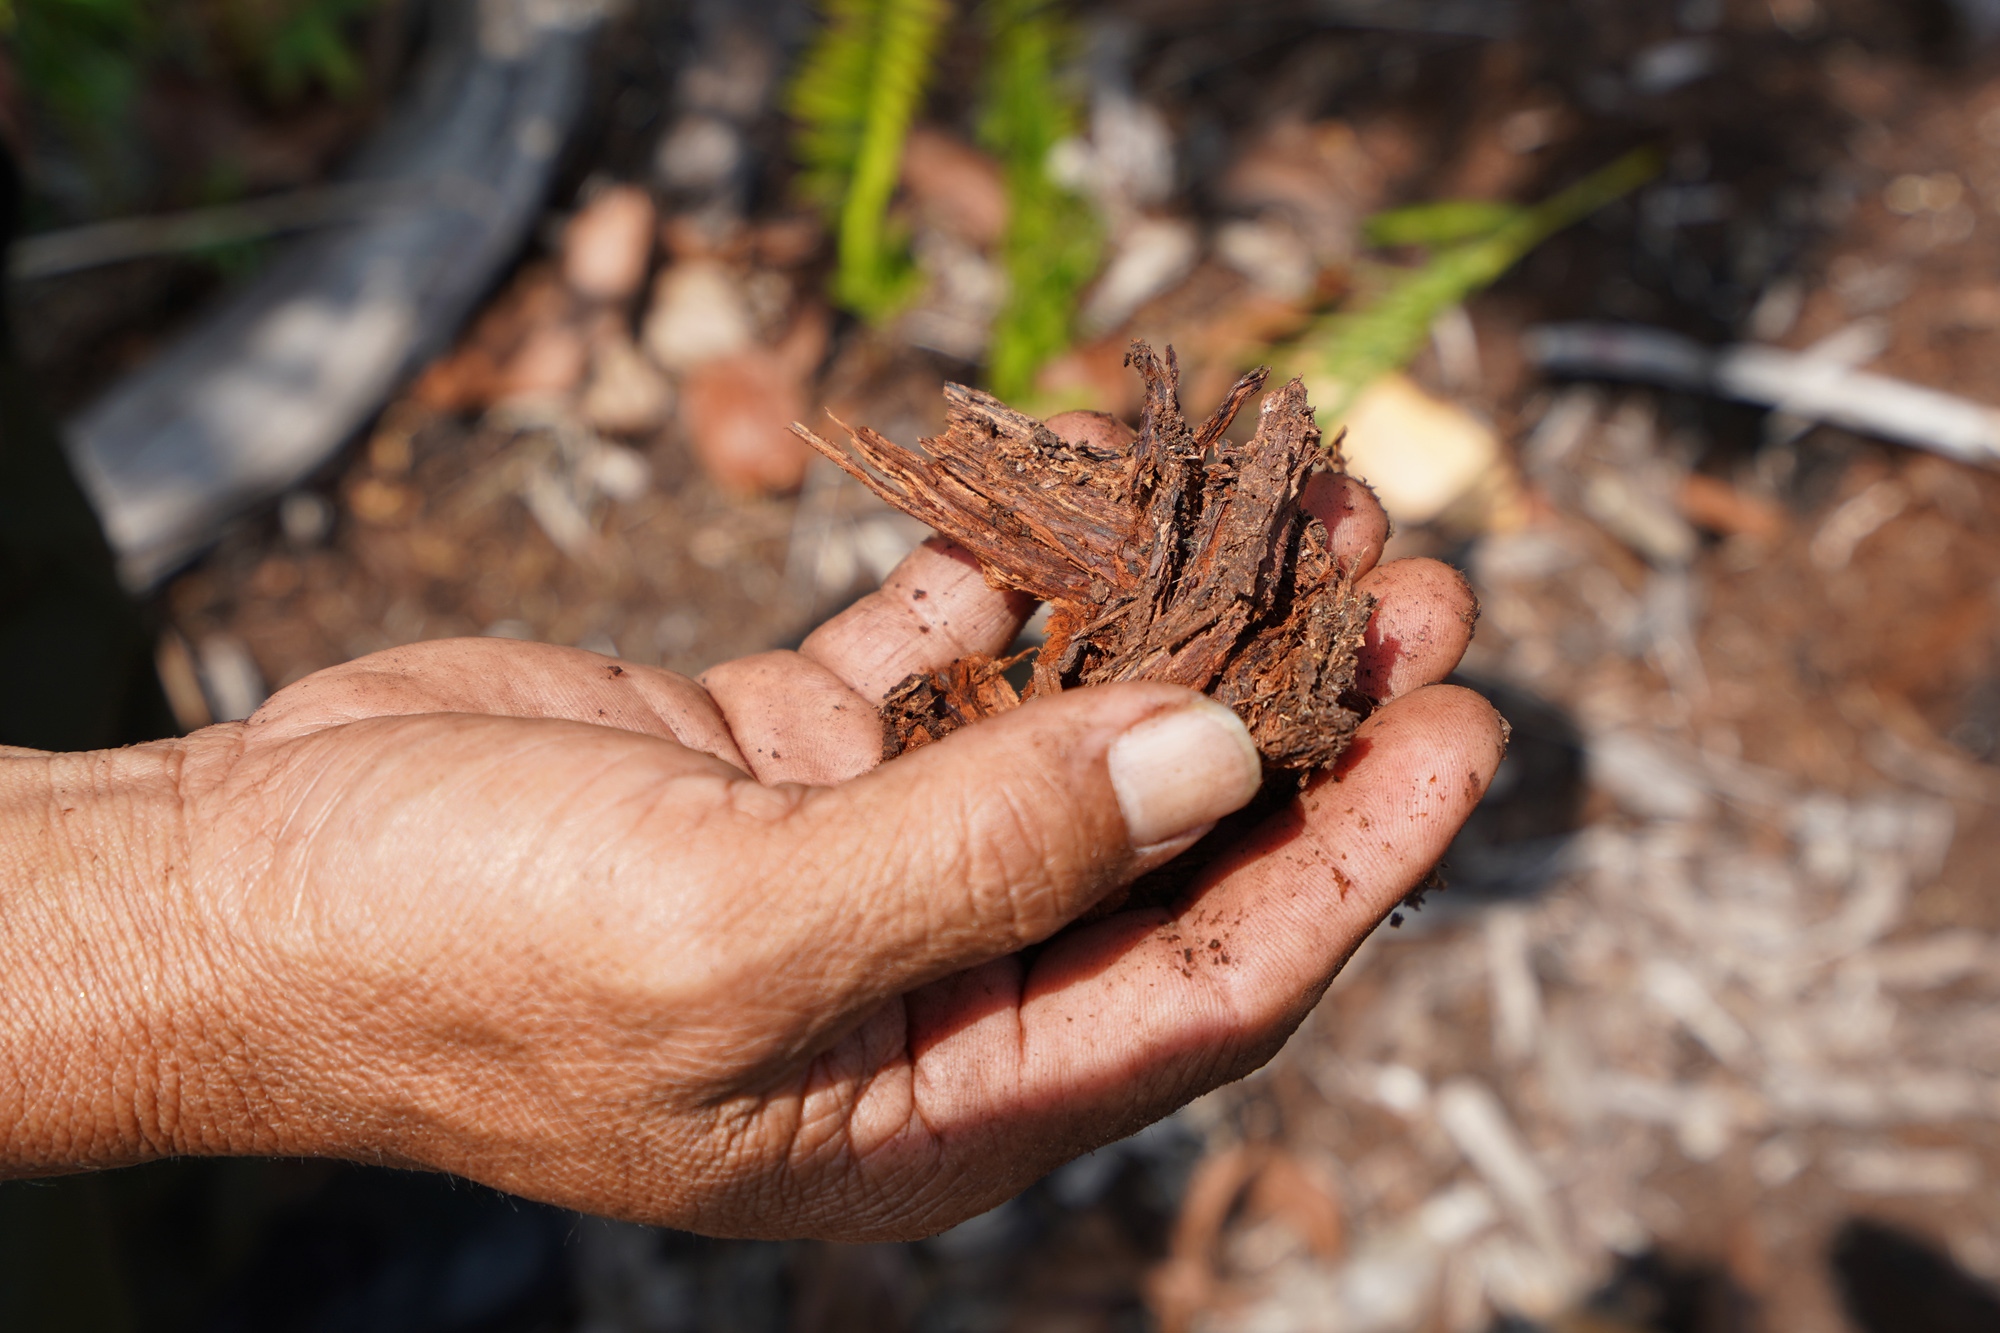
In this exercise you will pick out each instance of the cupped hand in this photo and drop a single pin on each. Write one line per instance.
(687, 952)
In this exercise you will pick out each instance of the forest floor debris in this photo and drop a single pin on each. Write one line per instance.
(1718, 967)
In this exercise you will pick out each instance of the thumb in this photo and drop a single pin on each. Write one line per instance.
(1002, 833)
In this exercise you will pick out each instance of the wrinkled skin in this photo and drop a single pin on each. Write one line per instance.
(681, 952)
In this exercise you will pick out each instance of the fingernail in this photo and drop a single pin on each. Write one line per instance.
(1181, 769)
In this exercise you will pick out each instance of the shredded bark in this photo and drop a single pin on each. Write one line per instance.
(928, 707)
(1183, 557)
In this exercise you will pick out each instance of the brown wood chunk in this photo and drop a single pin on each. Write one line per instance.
(927, 707)
(1183, 557)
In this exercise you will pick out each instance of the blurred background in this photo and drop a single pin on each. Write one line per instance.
(340, 324)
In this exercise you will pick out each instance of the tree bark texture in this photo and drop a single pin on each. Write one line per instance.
(1185, 557)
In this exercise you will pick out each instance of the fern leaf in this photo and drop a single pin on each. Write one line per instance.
(1350, 350)
(1443, 223)
(1052, 244)
(854, 99)
(829, 100)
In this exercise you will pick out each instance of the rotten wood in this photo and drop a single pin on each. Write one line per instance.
(1184, 556)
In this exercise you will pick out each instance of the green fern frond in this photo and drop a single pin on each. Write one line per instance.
(301, 44)
(1052, 244)
(829, 100)
(854, 98)
(83, 63)
(1350, 350)
(1443, 223)
(80, 62)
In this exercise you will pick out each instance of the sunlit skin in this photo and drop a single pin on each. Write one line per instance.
(681, 951)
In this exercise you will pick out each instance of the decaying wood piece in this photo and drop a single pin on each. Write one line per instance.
(1184, 557)
(928, 707)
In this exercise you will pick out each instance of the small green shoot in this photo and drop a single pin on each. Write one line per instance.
(1349, 350)
(1446, 222)
(854, 97)
(83, 63)
(299, 45)
(80, 61)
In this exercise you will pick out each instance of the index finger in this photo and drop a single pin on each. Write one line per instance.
(935, 608)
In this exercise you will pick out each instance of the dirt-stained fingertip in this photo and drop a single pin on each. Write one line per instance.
(1183, 768)
(1355, 522)
(934, 608)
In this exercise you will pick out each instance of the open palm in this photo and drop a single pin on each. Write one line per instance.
(689, 953)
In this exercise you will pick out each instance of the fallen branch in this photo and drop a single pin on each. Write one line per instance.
(1817, 388)
(269, 384)
(73, 249)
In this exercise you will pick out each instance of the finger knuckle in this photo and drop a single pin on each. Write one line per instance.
(1021, 861)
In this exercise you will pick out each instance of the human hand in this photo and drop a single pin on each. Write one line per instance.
(600, 935)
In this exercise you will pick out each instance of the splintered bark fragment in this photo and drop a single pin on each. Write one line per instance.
(1184, 557)
(928, 707)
